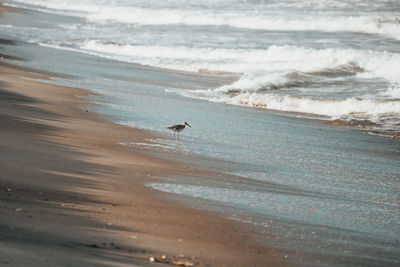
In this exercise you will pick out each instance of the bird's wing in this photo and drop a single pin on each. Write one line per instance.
(173, 127)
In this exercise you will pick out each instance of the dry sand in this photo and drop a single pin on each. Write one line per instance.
(71, 196)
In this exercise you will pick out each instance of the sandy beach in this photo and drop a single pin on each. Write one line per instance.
(71, 196)
(287, 160)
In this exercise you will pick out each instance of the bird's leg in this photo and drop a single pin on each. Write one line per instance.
(178, 136)
(174, 135)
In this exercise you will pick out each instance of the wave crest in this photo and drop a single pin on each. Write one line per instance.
(330, 62)
(102, 13)
(387, 26)
(350, 108)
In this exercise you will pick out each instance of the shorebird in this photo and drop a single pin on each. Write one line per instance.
(178, 128)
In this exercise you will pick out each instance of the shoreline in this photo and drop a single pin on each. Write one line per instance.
(86, 184)
(366, 126)
(4, 8)
(82, 180)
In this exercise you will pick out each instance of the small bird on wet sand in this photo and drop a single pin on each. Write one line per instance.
(178, 128)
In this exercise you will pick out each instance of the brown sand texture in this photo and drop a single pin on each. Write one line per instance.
(71, 196)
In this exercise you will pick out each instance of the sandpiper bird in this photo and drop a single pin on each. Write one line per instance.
(178, 128)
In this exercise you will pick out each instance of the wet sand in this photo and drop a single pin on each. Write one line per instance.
(6, 9)
(70, 195)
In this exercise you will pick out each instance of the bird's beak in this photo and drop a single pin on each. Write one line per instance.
(188, 125)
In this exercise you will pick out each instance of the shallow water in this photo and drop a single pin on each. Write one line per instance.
(338, 58)
(326, 191)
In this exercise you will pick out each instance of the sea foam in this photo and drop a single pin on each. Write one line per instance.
(387, 26)
(103, 12)
(355, 107)
(271, 76)
(256, 61)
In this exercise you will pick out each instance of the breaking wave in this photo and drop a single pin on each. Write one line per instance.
(257, 63)
(103, 12)
(268, 92)
(373, 109)
(389, 27)
(335, 82)
(393, 91)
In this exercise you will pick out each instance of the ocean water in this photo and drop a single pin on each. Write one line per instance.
(335, 58)
(329, 195)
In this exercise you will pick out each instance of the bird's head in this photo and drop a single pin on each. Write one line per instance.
(185, 123)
